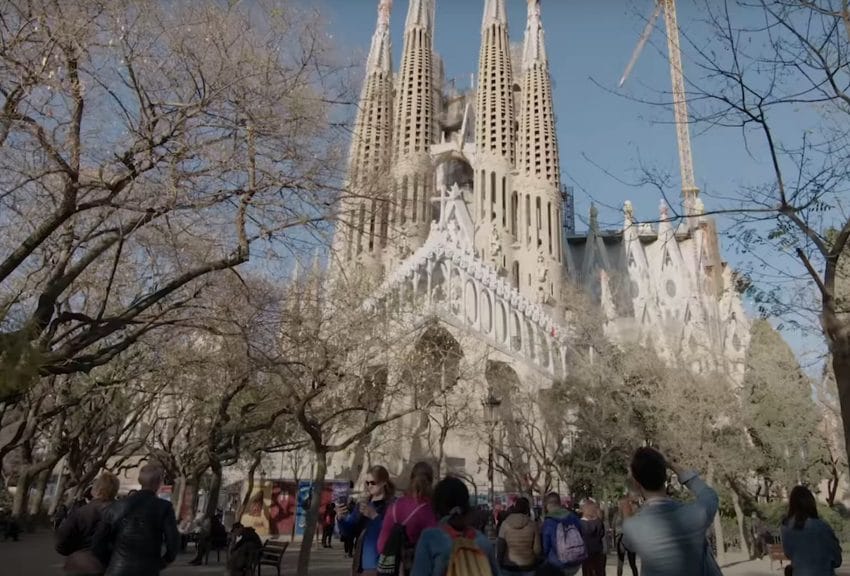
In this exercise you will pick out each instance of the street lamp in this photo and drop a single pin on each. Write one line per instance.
(491, 405)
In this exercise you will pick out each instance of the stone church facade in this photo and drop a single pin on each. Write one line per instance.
(456, 207)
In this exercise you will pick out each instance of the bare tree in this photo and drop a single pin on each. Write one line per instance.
(768, 62)
(144, 148)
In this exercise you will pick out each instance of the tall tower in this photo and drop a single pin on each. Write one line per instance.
(415, 129)
(362, 229)
(495, 136)
(538, 169)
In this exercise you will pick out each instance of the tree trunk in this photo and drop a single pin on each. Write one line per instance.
(215, 488)
(195, 488)
(739, 516)
(40, 488)
(59, 495)
(22, 490)
(312, 520)
(841, 368)
(249, 489)
(179, 496)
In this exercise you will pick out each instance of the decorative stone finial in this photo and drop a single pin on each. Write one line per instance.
(594, 218)
(699, 207)
(384, 9)
(629, 211)
(663, 210)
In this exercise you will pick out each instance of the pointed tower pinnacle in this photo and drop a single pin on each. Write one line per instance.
(362, 222)
(538, 164)
(495, 206)
(415, 129)
(534, 48)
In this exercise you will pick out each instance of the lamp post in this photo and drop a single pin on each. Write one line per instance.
(491, 405)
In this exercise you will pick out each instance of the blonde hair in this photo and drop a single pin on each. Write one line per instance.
(105, 487)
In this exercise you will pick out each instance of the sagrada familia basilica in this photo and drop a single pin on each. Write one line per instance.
(457, 206)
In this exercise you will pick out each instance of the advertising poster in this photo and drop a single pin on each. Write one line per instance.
(283, 507)
(257, 514)
(304, 490)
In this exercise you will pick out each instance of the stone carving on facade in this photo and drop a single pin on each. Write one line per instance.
(542, 277)
(495, 246)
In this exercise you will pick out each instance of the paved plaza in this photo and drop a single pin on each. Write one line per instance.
(34, 556)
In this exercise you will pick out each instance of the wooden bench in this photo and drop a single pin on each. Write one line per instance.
(271, 554)
(776, 554)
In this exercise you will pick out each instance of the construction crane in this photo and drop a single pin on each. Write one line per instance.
(690, 192)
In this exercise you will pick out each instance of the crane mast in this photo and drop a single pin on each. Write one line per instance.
(690, 192)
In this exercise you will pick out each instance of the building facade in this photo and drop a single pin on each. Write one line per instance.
(456, 207)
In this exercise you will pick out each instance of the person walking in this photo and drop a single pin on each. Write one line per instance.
(808, 541)
(625, 508)
(669, 537)
(563, 547)
(328, 523)
(593, 533)
(414, 512)
(130, 538)
(519, 538)
(442, 545)
(365, 521)
(75, 533)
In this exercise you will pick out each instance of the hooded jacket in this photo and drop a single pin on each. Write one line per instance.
(522, 541)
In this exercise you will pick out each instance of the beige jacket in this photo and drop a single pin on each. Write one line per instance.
(522, 539)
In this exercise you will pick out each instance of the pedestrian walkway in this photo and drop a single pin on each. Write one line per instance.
(34, 556)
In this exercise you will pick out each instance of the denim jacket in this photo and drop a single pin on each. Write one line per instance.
(813, 550)
(670, 537)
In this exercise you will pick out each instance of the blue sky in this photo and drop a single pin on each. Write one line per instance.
(604, 136)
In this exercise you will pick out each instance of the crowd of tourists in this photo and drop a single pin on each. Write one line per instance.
(433, 530)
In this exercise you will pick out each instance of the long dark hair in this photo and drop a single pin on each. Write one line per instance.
(801, 506)
(451, 500)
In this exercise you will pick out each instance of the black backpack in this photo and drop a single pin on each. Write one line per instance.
(398, 551)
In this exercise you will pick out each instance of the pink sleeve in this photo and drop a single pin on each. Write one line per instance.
(387, 527)
(424, 518)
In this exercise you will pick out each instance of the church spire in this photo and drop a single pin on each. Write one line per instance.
(494, 13)
(380, 53)
(362, 228)
(415, 127)
(534, 48)
(538, 164)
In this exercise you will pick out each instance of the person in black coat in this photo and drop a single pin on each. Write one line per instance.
(244, 548)
(131, 536)
(75, 533)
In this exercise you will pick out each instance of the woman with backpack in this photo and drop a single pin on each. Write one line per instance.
(366, 520)
(453, 548)
(519, 540)
(593, 533)
(405, 520)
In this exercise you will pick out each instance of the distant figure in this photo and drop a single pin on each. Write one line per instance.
(131, 536)
(9, 526)
(563, 546)
(328, 523)
(669, 537)
(74, 535)
(245, 545)
(203, 538)
(625, 509)
(520, 537)
(454, 543)
(59, 516)
(808, 541)
(593, 533)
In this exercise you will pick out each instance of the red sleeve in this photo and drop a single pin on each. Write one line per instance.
(387, 527)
